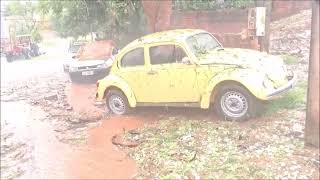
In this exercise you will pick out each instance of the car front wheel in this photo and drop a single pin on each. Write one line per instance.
(235, 103)
(117, 103)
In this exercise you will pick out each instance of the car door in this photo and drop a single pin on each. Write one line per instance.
(168, 79)
(185, 87)
(133, 71)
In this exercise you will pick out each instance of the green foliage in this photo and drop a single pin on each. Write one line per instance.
(121, 21)
(290, 59)
(295, 98)
(210, 4)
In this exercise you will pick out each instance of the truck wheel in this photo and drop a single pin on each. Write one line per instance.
(9, 57)
(235, 103)
(27, 54)
(117, 103)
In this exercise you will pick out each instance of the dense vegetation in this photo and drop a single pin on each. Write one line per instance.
(120, 20)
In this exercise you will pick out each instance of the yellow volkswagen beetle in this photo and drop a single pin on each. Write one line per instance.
(189, 67)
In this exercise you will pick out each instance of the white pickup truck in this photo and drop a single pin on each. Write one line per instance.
(91, 69)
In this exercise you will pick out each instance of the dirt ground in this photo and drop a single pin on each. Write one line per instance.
(50, 129)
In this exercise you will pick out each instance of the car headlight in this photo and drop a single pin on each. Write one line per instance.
(101, 66)
(104, 65)
(73, 69)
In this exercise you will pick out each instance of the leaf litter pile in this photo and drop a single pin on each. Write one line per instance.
(180, 148)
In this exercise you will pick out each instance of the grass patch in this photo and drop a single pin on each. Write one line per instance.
(296, 98)
(290, 59)
(191, 149)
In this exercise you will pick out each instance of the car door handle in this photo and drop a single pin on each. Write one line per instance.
(152, 72)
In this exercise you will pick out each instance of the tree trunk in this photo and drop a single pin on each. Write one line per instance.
(312, 121)
(158, 14)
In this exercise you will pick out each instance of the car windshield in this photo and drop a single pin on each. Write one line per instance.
(202, 43)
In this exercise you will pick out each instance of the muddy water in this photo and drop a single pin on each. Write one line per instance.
(102, 159)
(50, 158)
(37, 137)
(99, 158)
(82, 97)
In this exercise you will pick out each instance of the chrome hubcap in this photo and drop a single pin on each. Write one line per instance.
(234, 104)
(116, 104)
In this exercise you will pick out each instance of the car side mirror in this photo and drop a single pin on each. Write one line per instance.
(186, 60)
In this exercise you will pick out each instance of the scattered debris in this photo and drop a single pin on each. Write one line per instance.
(117, 140)
(51, 97)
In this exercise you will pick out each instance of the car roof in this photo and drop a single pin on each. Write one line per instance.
(165, 36)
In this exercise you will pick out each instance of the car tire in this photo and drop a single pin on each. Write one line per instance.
(117, 102)
(235, 103)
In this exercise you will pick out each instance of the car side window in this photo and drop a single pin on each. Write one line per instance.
(133, 58)
(166, 54)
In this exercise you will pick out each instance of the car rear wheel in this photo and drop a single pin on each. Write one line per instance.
(235, 103)
(117, 103)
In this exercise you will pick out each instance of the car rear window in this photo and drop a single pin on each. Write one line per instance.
(133, 58)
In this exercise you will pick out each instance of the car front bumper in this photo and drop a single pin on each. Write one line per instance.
(95, 75)
(285, 88)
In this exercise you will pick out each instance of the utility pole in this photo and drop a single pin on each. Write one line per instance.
(312, 119)
(266, 38)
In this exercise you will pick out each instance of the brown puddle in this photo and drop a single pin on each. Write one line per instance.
(102, 159)
(81, 96)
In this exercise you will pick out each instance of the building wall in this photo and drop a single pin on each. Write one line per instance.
(229, 26)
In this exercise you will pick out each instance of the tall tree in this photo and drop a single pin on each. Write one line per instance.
(119, 20)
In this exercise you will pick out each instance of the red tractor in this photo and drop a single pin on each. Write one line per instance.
(21, 46)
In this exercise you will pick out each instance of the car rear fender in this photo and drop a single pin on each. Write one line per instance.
(115, 82)
(252, 82)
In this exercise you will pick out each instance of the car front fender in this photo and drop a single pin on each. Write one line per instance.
(252, 81)
(113, 81)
